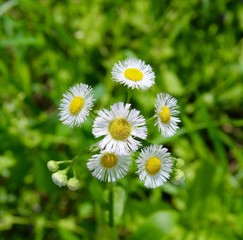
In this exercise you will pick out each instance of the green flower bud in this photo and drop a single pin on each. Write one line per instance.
(179, 177)
(73, 184)
(179, 162)
(59, 178)
(52, 166)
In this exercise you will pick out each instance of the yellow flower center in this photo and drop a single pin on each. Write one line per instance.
(108, 160)
(153, 165)
(165, 115)
(133, 74)
(76, 105)
(120, 129)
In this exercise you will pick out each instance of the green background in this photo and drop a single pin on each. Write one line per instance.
(196, 51)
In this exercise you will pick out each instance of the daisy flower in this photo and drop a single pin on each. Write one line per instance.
(166, 112)
(154, 166)
(133, 73)
(119, 126)
(108, 166)
(75, 106)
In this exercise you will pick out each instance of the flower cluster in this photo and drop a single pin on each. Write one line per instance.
(121, 128)
(59, 177)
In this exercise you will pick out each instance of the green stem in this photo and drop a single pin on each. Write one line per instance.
(66, 170)
(92, 115)
(64, 161)
(150, 119)
(129, 95)
(111, 205)
(89, 149)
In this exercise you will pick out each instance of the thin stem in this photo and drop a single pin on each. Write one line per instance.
(66, 170)
(111, 205)
(150, 119)
(129, 95)
(92, 115)
(90, 149)
(64, 161)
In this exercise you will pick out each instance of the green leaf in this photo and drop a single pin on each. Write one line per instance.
(67, 235)
(6, 6)
(67, 227)
(24, 75)
(157, 225)
(119, 202)
(172, 83)
(6, 162)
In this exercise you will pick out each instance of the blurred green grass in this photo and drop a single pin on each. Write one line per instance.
(196, 50)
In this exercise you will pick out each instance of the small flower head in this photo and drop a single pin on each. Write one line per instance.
(166, 114)
(52, 166)
(179, 177)
(73, 184)
(179, 162)
(133, 73)
(119, 126)
(154, 166)
(108, 166)
(60, 178)
(76, 104)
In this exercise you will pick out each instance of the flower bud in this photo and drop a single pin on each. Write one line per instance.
(73, 184)
(179, 177)
(59, 178)
(52, 166)
(179, 162)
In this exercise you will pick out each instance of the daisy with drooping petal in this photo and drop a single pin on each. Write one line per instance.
(166, 112)
(108, 166)
(133, 73)
(75, 106)
(119, 126)
(154, 166)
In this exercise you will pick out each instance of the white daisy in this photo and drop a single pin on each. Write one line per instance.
(75, 106)
(119, 126)
(166, 112)
(108, 166)
(134, 73)
(154, 166)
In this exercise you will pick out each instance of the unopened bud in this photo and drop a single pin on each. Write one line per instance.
(59, 178)
(179, 177)
(179, 162)
(52, 166)
(73, 184)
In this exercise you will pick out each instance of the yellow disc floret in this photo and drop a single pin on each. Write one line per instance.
(164, 115)
(108, 160)
(76, 105)
(120, 129)
(133, 74)
(153, 165)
